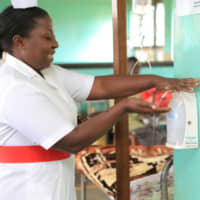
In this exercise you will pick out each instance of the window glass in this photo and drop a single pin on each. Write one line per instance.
(142, 25)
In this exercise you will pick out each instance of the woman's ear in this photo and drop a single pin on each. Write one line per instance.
(18, 41)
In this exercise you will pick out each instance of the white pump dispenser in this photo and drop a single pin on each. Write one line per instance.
(182, 124)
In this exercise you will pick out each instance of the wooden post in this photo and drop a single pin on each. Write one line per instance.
(120, 68)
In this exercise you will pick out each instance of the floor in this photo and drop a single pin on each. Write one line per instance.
(92, 191)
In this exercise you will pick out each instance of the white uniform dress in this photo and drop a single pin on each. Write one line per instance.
(38, 111)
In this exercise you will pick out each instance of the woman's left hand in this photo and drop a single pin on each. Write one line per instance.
(186, 85)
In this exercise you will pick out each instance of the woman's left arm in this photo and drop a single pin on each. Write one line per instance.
(106, 87)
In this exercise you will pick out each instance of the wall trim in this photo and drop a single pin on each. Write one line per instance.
(110, 65)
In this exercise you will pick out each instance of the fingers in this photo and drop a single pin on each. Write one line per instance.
(185, 85)
(145, 104)
(188, 83)
(147, 108)
(190, 80)
(190, 90)
(154, 107)
(157, 109)
(139, 106)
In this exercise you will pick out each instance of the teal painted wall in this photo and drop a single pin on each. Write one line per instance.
(166, 71)
(186, 64)
(83, 29)
(168, 26)
(4, 4)
(95, 71)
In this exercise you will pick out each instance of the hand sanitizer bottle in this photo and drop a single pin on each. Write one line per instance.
(176, 121)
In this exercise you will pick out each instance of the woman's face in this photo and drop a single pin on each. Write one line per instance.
(40, 45)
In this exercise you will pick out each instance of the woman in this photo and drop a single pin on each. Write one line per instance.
(38, 115)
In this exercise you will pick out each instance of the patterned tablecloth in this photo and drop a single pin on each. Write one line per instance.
(99, 165)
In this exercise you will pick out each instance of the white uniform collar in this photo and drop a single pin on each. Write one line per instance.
(21, 66)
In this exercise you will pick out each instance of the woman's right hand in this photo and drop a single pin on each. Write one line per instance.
(139, 106)
(95, 127)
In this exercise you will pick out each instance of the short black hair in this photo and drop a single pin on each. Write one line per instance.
(132, 58)
(17, 22)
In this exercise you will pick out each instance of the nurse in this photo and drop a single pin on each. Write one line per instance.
(39, 134)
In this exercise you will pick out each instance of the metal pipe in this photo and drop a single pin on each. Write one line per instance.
(163, 179)
(83, 187)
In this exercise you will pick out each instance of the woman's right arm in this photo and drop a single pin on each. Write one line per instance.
(89, 131)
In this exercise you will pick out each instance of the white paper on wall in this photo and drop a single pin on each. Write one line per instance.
(187, 7)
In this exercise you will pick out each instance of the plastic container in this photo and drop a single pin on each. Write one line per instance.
(176, 121)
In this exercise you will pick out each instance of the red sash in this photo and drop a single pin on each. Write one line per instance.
(29, 154)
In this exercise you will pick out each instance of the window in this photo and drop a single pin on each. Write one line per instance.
(147, 31)
(147, 24)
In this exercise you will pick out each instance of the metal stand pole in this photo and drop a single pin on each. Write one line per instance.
(83, 187)
(163, 180)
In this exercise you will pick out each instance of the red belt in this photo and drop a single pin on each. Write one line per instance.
(28, 154)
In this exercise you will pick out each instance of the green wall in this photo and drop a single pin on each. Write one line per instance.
(4, 4)
(83, 29)
(168, 26)
(166, 71)
(187, 48)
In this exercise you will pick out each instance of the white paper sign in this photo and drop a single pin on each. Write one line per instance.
(187, 7)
